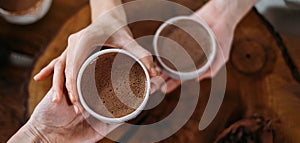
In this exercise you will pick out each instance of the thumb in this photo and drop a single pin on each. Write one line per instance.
(145, 56)
(205, 75)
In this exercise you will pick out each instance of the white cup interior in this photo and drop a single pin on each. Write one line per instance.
(88, 101)
(200, 32)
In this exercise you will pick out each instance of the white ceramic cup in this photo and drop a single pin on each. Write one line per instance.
(28, 16)
(208, 35)
(112, 120)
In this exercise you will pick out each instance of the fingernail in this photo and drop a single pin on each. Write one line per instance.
(153, 89)
(76, 109)
(164, 89)
(158, 70)
(71, 97)
(153, 71)
(35, 77)
(54, 97)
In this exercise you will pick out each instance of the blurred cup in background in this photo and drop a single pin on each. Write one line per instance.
(24, 11)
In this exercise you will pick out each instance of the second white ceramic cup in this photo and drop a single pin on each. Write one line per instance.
(208, 34)
(28, 16)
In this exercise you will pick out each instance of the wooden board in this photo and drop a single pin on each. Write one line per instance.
(29, 41)
(260, 81)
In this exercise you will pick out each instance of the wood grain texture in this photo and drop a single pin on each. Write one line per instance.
(12, 99)
(259, 81)
(28, 40)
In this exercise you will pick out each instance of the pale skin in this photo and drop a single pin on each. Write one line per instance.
(54, 120)
(58, 122)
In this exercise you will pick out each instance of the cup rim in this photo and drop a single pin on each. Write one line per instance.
(27, 16)
(191, 74)
(111, 119)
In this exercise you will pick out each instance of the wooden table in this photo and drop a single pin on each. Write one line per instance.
(30, 41)
(269, 87)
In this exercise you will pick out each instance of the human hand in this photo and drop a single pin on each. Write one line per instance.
(57, 122)
(105, 30)
(222, 17)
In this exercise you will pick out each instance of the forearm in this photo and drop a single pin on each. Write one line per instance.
(100, 7)
(229, 12)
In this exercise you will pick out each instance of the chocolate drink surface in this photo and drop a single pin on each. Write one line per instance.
(17, 5)
(180, 51)
(120, 83)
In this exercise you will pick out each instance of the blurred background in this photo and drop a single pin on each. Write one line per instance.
(285, 18)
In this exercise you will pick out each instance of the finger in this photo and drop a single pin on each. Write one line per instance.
(77, 108)
(76, 105)
(205, 75)
(58, 80)
(145, 56)
(71, 81)
(148, 61)
(46, 71)
(71, 66)
(157, 81)
(170, 85)
(71, 86)
(158, 69)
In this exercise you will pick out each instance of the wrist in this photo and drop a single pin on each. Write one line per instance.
(227, 12)
(99, 8)
(233, 10)
(32, 132)
(28, 133)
